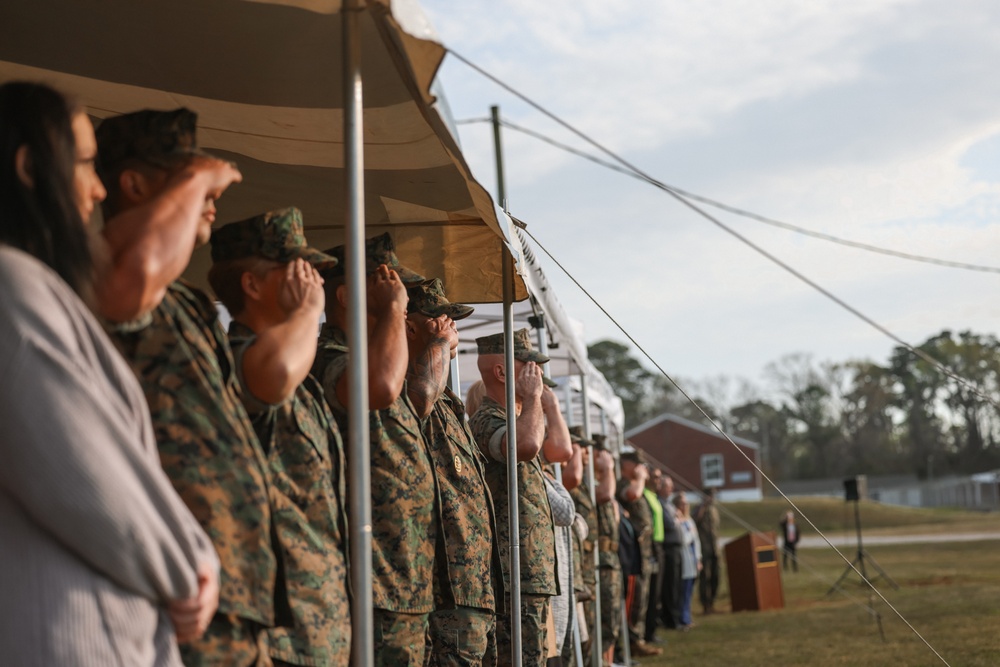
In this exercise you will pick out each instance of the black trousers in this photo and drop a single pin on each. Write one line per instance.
(671, 586)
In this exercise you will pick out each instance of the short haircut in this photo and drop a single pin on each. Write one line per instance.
(226, 279)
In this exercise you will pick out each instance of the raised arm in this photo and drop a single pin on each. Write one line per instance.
(558, 446)
(388, 356)
(573, 470)
(604, 473)
(150, 245)
(427, 374)
(530, 423)
(280, 357)
(633, 490)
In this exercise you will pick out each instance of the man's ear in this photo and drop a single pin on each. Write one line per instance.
(22, 165)
(342, 296)
(411, 329)
(498, 372)
(248, 282)
(132, 185)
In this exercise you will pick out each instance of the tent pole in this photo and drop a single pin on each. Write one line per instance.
(514, 608)
(358, 454)
(596, 653)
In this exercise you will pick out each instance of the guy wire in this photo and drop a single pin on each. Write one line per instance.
(725, 435)
(843, 304)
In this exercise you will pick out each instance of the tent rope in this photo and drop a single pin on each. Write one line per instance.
(749, 460)
(686, 202)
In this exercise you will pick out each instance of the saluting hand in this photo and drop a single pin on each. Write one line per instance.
(528, 385)
(302, 289)
(442, 328)
(386, 292)
(218, 174)
(602, 461)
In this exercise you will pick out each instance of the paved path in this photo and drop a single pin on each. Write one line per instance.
(841, 539)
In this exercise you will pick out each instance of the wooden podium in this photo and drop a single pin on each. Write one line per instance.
(754, 574)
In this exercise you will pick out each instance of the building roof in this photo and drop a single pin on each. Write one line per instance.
(687, 423)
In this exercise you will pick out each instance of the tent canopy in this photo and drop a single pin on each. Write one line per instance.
(265, 78)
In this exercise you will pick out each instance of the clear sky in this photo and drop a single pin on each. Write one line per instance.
(874, 120)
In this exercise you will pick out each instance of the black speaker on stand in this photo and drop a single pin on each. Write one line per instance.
(854, 488)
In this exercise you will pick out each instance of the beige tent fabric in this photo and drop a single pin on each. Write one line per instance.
(265, 78)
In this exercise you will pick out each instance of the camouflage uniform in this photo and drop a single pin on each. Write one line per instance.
(306, 471)
(404, 513)
(537, 535)
(206, 442)
(610, 573)
(641, 517)
(462, 626)
(585, 508)
(467, 553)
(209, 450)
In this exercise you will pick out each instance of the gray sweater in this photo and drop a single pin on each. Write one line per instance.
(93, 539)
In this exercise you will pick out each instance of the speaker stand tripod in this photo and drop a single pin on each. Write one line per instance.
(860, 559)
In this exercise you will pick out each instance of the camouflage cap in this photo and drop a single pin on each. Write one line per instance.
(275, 235)
(577, 436)
(635, 456)
(159, 138)
(378, 250)
(600, 440)
(549, 382)
(427, 298)
(523, 351)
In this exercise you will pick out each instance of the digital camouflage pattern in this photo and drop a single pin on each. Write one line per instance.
(585, 508)
(537, 531)
(207, 445)
(379, 250)
(463, 637)
(523, 350)
(611, 606)
(466, 509)
(236, 641)
(275, 235)
(534, 633)
(428, 298)
(400, 639)
(306, 470)
(404, 498)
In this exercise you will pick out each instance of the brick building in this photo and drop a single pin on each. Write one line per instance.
(698, 457)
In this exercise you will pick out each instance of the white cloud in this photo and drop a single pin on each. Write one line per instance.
(853, 118)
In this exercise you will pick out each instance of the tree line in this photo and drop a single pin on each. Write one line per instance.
(829, 419)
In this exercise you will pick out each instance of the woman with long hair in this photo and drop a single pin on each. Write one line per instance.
(690, 556)
(100, 561)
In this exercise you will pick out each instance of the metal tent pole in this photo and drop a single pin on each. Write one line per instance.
(359, 461)
(508, 349)
(596, 653)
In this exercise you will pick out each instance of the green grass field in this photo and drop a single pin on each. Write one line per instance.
(949, 592)
(836, 516)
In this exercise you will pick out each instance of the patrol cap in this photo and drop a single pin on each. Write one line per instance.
(159, 138)
(549, 382)
(600, 441)
(427, 298)
(275, 235)
(577, 436)
(523, 351)
(634, 456)
(378, 250)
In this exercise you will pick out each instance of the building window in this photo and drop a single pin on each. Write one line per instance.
(712, 473)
